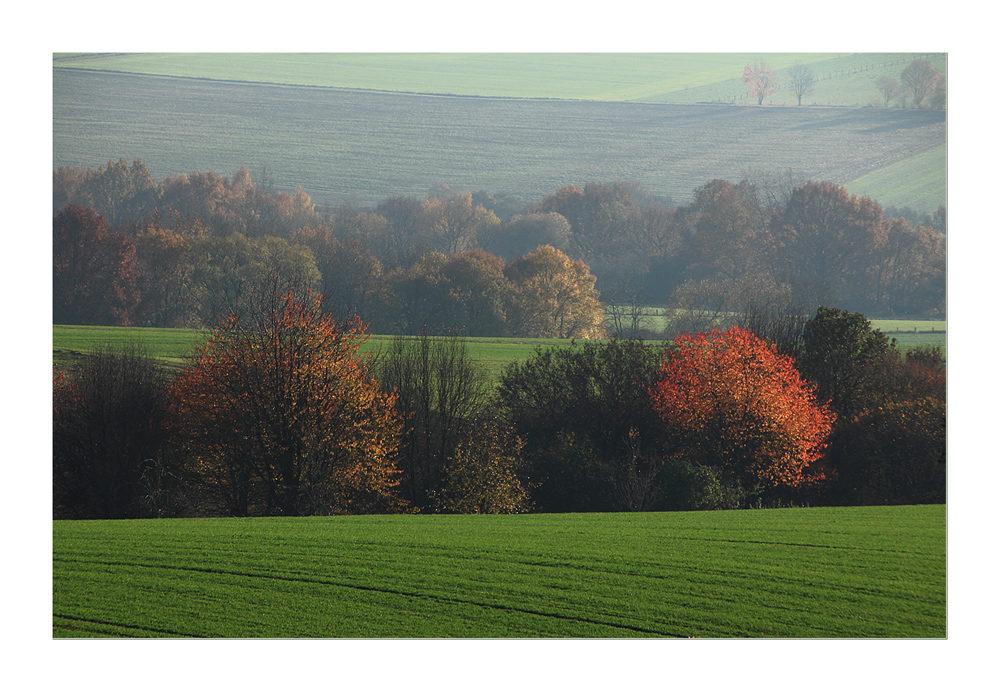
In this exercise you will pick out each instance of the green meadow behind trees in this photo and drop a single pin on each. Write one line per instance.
(819, 572)
(173, 347)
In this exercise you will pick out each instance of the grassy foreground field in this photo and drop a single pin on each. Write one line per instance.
(821, 572)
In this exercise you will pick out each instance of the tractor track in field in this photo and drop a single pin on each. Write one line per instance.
(74, 619)
(373, 589)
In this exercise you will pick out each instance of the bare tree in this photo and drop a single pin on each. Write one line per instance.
(780, 323)
(440, 390)
(803, 80)
(919, 79)
(888, 88)
(625, 305)
(636, 482)
(773, 188)
(758, 303)
(698, 306)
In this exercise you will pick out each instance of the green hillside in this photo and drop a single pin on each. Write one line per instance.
(823, 572)
(361, 147)
(844, 79)
(916, 182)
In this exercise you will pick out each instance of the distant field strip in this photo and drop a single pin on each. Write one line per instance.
(843, 79)
(362, 147)
(175, 346)
(589, 76)
(824, 572)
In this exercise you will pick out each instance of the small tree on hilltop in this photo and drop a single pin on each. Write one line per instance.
(761, 80)
(888, 88)
(803, 80)
(732, 401)
(919, 79)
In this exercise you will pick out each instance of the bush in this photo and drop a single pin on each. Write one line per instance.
(894, 454)
(584, 413)
(483, 475)
(691, 487)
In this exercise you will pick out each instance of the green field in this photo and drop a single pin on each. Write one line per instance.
(821, 572)
(360, 128)
(909, 183)
(843, 79)
(174, 346)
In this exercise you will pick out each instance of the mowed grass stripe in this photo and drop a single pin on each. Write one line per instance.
(827, 572)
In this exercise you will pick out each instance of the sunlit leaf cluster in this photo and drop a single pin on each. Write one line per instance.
(731, 400)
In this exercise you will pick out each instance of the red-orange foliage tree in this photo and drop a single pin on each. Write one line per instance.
(281, 416)
(732, 401)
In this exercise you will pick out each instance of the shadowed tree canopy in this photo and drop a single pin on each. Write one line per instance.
(844, 356)
(832, 236)
(109, 434)
(585, 416)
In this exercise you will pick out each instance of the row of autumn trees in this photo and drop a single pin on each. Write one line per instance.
(182, 251)
(278, 414)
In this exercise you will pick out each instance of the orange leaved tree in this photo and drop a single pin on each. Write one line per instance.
(280, 415)
(733, 402)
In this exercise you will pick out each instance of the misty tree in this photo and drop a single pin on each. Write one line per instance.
(888, 88)
(919, 79)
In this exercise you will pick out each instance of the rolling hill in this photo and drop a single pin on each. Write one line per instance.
(360, 128)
